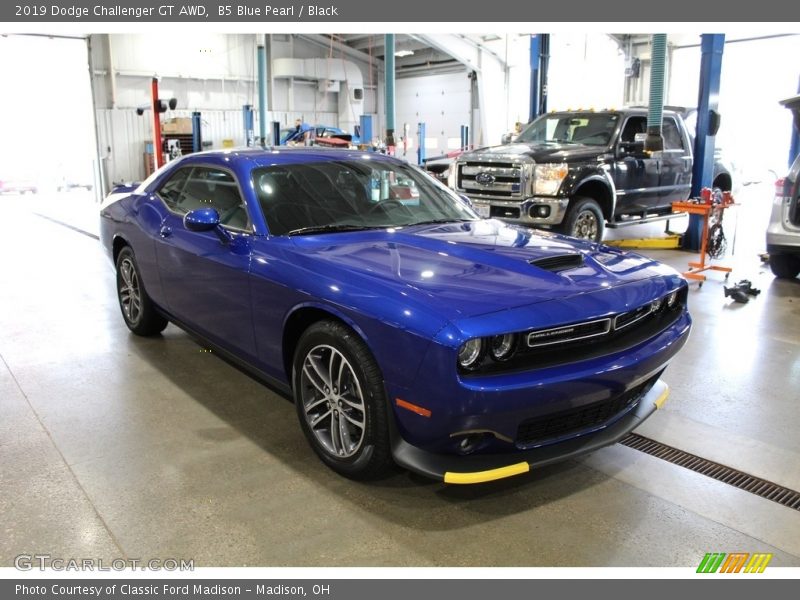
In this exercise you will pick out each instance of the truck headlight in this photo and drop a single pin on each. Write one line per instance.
(547, 178)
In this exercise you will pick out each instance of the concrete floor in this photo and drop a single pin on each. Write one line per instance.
(114, 446)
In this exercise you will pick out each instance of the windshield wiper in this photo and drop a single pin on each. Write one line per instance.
(333, 227)
(438, 222)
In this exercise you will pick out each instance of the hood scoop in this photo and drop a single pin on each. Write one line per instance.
(558, 263)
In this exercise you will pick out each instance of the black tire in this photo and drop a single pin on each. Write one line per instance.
(584, 220)
(784, 266)
(317, 397)
(138, 310)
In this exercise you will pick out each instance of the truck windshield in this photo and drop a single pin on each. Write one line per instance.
(590, 129)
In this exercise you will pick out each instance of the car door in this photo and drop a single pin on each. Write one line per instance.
(636, 174)
(205, 275)
(676, 165)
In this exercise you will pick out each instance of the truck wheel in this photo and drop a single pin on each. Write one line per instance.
(584, 220)
(784, 266)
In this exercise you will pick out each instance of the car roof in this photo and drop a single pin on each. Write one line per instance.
(276, 155)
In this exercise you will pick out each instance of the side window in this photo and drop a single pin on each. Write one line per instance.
(170, 192)
(673, 140)
(208, 187)
(633, 126)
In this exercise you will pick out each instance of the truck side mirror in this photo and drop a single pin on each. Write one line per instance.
(634, 148)
(714, 119)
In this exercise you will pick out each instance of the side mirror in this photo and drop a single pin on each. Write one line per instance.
(201, 219)
(714, 120)
(635, 148)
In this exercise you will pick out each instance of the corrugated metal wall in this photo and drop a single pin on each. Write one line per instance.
(123, 135)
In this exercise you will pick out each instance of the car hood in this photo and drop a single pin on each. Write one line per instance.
(473, 268)
(540, 152)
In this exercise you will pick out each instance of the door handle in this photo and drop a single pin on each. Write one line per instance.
(165, 231)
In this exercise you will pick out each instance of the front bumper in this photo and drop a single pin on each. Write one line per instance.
(519, 211)
(784, 248)
(481, 468)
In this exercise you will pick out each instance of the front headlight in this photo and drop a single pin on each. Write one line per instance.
(547, 178)
(470, 354)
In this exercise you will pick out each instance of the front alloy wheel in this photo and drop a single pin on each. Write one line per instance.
(333, 403)
(340, 400)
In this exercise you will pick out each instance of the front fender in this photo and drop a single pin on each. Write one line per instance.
(594, 182)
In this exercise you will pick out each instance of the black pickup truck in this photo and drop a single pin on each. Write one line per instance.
(574, 171)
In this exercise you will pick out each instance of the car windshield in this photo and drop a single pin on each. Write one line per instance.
(346, 195)
(590, 129)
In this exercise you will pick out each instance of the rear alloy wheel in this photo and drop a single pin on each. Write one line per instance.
(784, 266)
(138, 310)
(341, 405)
(584, 220)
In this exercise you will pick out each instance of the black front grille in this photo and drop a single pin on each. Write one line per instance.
(540, 429)
(561, 262)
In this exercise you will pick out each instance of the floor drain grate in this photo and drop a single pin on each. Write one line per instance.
(754, 485)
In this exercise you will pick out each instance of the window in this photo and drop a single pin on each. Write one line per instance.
(591, 129)
(206, 187)
(673, 140)
(633, 126)
(170, 192)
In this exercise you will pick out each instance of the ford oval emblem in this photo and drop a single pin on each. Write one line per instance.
(484, 178)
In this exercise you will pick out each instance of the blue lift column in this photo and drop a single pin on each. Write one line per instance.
(262, 95)
(794, 144)
(366, 130)
(247, 119)
(275, 136)
(539, 59)
(197, 137)
(420, 143)
(711, 47)
(389, 67)
(465, 137)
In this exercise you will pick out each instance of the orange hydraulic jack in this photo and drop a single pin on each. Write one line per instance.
(705, 208)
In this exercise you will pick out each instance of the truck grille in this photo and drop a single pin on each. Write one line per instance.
(548, 427)
(491, 180)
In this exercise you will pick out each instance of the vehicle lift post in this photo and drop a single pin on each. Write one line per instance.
(539, 60)
(197, 134)
(389, 81)
(465, 137)
(711, 46)
(158, 154)
(794, 144)
(276, 133)
(365, 122)
(262, 94)
(420, 143)
(247, 117)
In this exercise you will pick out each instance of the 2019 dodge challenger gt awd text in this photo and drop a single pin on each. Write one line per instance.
(406, 328)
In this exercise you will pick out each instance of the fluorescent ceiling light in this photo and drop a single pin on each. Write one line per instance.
(402, 53)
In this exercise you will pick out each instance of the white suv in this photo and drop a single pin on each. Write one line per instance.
(783, 232)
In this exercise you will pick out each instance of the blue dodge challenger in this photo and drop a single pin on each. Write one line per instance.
(407, 329)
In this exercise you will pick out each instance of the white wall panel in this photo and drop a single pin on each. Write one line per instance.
(442, 102)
